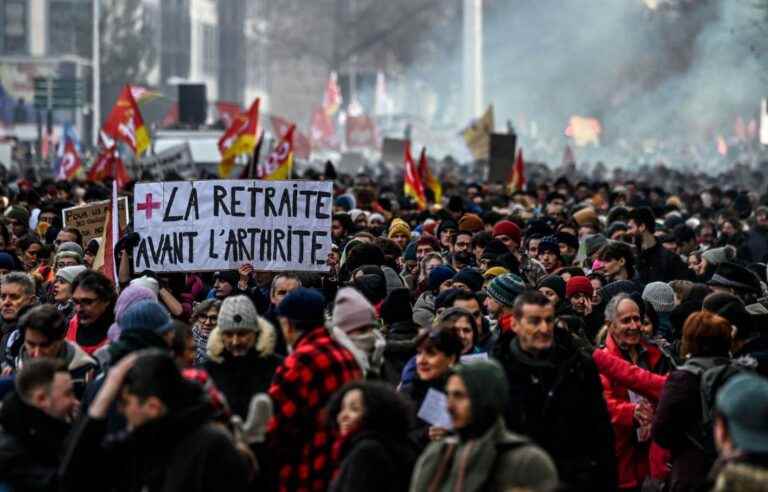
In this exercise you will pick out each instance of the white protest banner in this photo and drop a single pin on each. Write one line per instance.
(223, 224)
(176, 159)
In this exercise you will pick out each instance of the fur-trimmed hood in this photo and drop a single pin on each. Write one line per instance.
(265, 341)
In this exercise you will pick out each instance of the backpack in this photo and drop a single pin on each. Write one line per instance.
(713, 373)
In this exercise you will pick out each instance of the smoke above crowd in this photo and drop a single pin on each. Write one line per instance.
(665, 70)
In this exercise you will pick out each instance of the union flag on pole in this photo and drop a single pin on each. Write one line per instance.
(412, 184)
(361, 132)
(108, 164)
(428, 179)
(301, 144)
(240, 138)
(69, 161)
(279, 164)
(516, 178)
(125, 123)
(228, 111)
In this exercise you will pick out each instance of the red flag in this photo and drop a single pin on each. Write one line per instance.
(70, 161)
(428, 179)
(279, 164)
(412, 184)
(171, 117)
(125, 123)
(108, 164)
(228, 111)
(301, 145)
(323, 131)
(516, 178)
(332, 97)
(361, 132)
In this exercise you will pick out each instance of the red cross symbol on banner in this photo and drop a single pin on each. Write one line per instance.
(148, 206)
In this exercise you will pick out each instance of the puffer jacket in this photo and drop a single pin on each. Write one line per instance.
(634, 458)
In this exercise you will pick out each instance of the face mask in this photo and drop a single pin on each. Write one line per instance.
(366, 342)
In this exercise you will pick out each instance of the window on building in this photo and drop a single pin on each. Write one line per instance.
(14, 26)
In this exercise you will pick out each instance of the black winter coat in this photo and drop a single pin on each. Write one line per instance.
(183, 451)
(374, 462)
(559, 404)
(677, 419)
(31, 445)
(658, 264)
(240, 378)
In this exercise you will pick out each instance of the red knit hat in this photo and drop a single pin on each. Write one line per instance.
(578, 285)
(507, 228)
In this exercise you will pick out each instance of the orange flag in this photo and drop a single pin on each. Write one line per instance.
(516, 178)
(412, 184)
(240, 138)
(125, 123)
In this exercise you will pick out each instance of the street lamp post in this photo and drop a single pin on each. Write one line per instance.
(473, 58)
(96, 72)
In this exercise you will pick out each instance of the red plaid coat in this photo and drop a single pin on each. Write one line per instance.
(299, 434)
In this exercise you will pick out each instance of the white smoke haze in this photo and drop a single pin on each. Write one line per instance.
(679, 74)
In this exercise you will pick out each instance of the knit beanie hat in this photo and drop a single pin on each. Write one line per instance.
(538, 226)
(398, 227)
(616, 226)
(471, 278)
(148, 283)
(568, 239)
(229, 276)
(578, 285)
(507, 228)
(69, 273)
(716, 256)
(554, 282)
(586, 216)
(614, 288)
(506, 288)
(551, 244)
(445, 225)
(494, 249)
(593, 243)
(71, 247)
(303, 304)
(146, 315)
(238, 313)
(730, 307)
(661, 296)
(409, 253)
(6, 261)
(737, 277)
(352, 311)
(18, 213)
(471, 223)
(439, 275)
(494, 272)
(397, 306)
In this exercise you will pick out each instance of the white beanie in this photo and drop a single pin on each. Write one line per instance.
(352, 310)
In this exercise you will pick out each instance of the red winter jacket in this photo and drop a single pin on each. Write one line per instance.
(634, 459)
(637, 379)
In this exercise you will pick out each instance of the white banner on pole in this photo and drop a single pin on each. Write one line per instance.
(220, 225)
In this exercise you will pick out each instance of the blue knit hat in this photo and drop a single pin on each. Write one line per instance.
(471, 278)
(504, 289)
(303, 304)
(146, 315)
(439, 275)
(6, 261)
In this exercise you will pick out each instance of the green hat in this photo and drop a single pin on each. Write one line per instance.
(504, 289)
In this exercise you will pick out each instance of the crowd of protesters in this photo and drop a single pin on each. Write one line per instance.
(590, 335)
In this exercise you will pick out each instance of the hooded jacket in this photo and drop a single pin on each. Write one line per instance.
(240, 378)
(484, 456)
